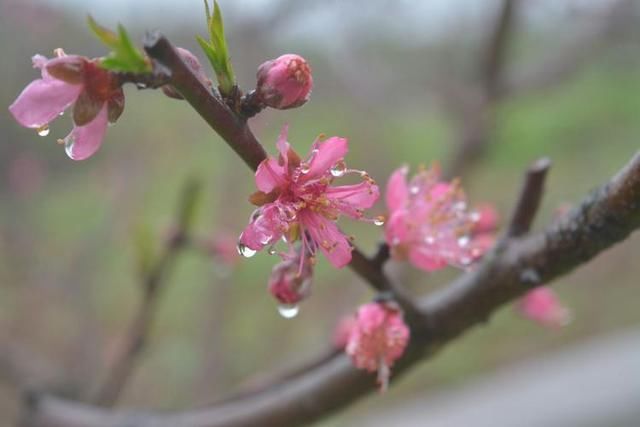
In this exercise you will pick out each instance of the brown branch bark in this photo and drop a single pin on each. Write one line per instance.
(230, 127)
(604, 218)
(529, 199)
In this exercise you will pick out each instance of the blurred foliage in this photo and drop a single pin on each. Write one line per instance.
(67, 230)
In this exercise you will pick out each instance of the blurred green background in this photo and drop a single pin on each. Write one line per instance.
(68, 279)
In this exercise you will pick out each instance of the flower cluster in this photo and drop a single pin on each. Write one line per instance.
(96, 96)
(375, 339)
(429, 222)
(298, 202)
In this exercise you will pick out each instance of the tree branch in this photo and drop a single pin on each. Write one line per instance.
(239, 137)
(606, 217)
(229, 126)
(478, 118)
(153, 282)
(529, 199)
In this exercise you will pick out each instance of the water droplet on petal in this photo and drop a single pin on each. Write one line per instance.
(43, 130)
(288, 311)
(69, 141)
(305, 168)
(61, 113)
(339, 169)
(289, 214)
(272, 251)
(460, 206)
(429, 240)
(245, 251)
(463, 241)
(414, 189)
(379, 221)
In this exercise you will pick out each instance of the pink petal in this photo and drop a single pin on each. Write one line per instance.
(333, 244)
(425, 259)
(42, 101)
(266, 228)
(397, 190)
(84, 141)
(269, 175)
(326, 154)
(351, 199)
(396, 228)
(282, 144)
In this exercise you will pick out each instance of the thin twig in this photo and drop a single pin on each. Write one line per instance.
(371, 271)
(212, 109)
(606, 217)
(478, 119)
(153, 282)
(529, 198)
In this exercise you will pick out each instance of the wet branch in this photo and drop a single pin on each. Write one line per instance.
(605, 217)
(236, 133)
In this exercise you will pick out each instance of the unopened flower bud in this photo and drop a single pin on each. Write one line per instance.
(284, 82)
(194, 65)
(288, 283)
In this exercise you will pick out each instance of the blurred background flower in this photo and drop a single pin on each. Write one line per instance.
(399, 79)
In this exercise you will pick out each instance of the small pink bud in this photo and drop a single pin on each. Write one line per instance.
(194, 65)
(543, 306)
(284, 82)
(378, 338)
(290, 283)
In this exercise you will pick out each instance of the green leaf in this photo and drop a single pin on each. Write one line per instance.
(216, 48)
(124, 56)
(105, 35)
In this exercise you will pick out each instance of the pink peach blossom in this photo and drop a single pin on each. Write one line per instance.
(378, 338)
(485, 219)
(71, 80)
(284, 82)
(429, 223)
(297, 201)
(543, 306)
(485, 222)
